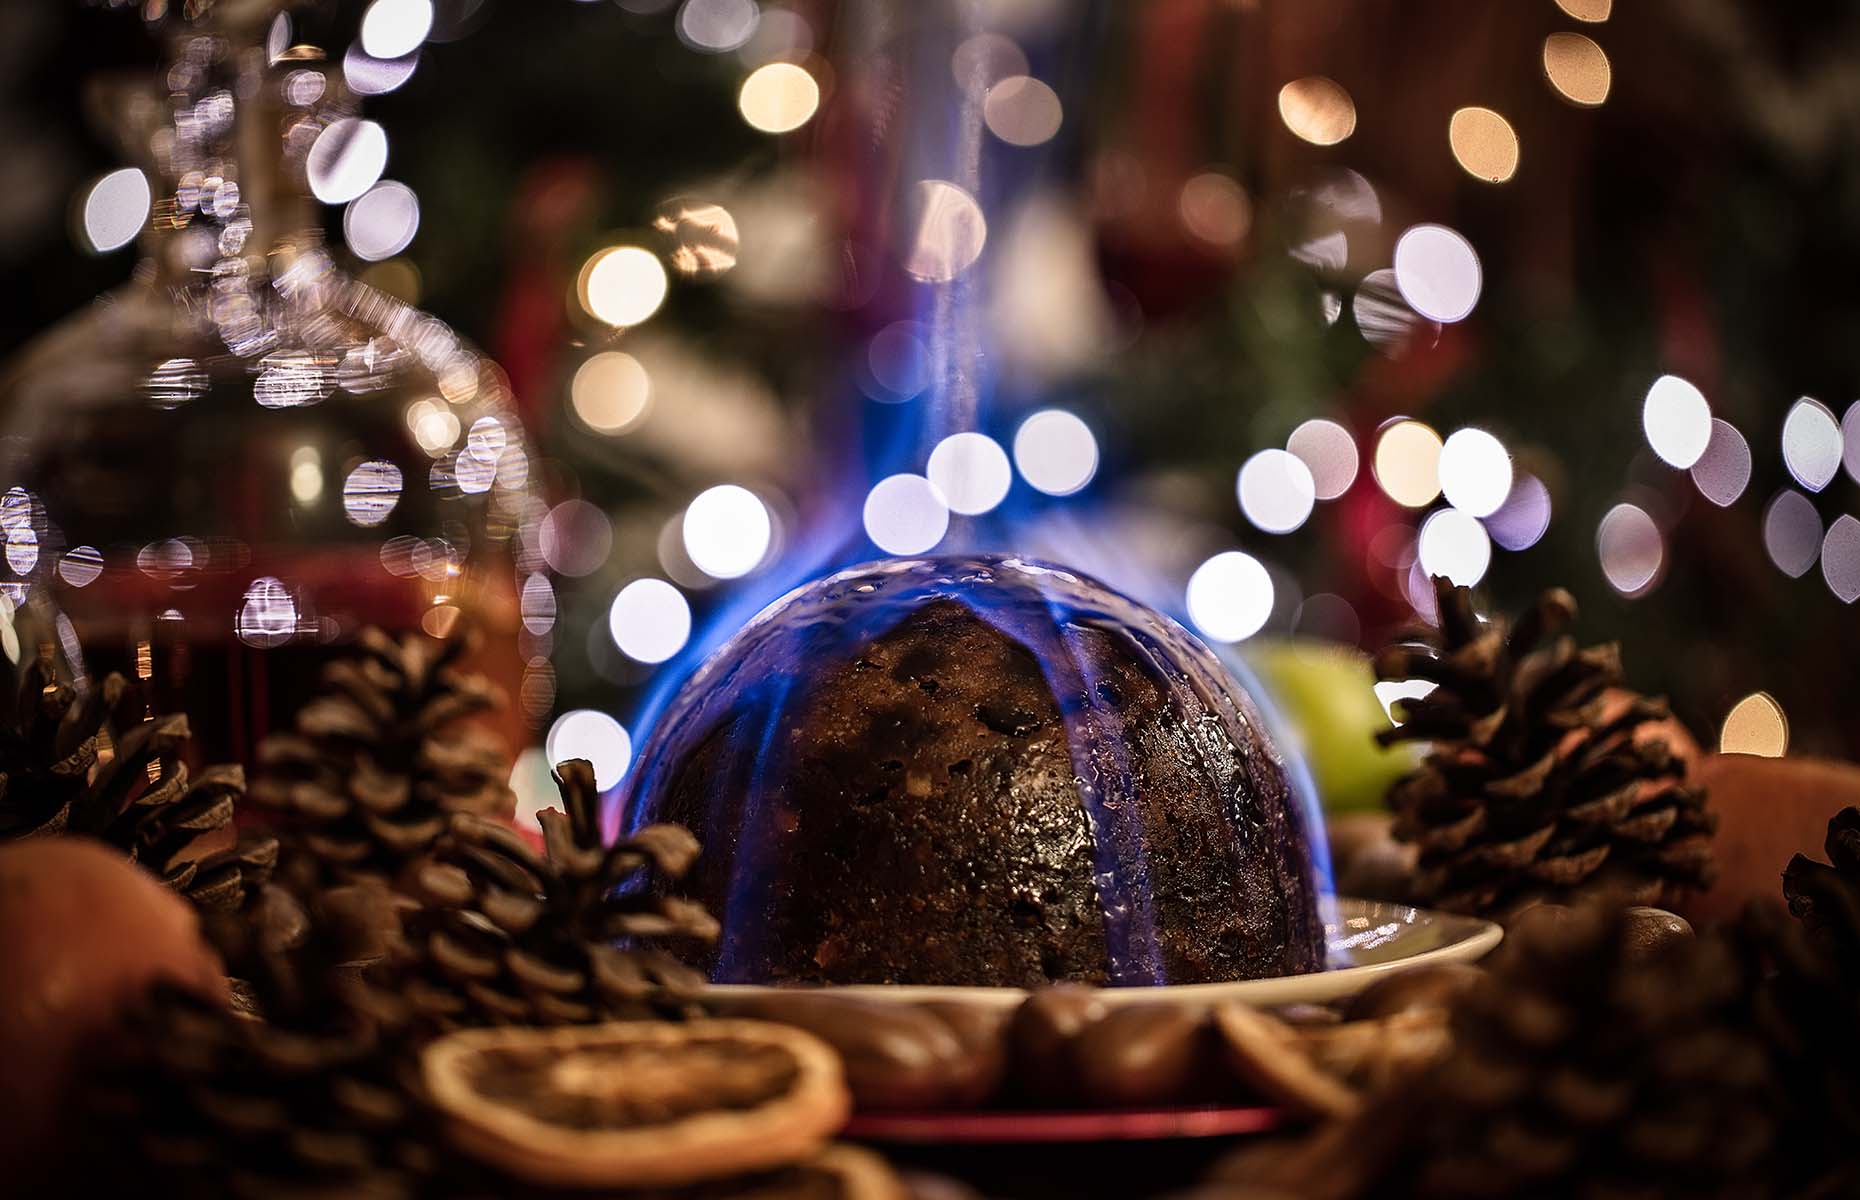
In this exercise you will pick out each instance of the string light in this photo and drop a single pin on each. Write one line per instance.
(1677, 420)
(971, 471)
(1056, 452)
(1811, 443)
(623, 285)
(727, 531)
(1630, 548)
(1276, 491)
(1329, 453)
(1723, 470)
(1407, 463)
(610, 392)
(1577, 68)
(649, 620)
(905, 514)
(1437, 272)
(1475, 472)
(115, 210)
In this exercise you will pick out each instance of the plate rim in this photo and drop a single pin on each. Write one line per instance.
(1312, 987)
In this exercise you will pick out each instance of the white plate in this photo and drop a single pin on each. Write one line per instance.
(1367, 939)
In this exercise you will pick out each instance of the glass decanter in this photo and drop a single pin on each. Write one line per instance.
(222, 471)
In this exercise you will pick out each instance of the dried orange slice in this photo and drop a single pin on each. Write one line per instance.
(637, 1103)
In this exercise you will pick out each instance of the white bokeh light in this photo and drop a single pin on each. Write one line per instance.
(1677, 421)
(595, 736)
(972, 471)
(346, 159)
(625, 285)
(1630, 548)
(1438, 273)
(1276, 491)
(1055, 452)
(380, 222)
(905, 514)
(1329, 453)
(1022, 111)
(1811, 443)
(1230, 596)
(370, 492)
(1792, 532)
(649, 620)
(115, 209)
(714, 26)
(394, 28)
(1456, 545)
(370, 76)
(1475, 472)
(1723, 471)
(727, 530)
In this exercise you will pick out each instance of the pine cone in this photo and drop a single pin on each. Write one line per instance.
(310, 1095)
(379, 763)
(507, 936)
(1581, 1067)
(1544, 780)
(1810, 1006)
(102, 766)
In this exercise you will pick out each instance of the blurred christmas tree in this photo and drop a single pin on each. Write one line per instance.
(1204, 256)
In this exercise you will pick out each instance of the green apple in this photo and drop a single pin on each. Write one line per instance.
(1324, 693)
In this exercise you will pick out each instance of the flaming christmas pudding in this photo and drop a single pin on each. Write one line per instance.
(982, 771)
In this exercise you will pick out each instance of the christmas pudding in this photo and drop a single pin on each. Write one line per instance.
(982, 771)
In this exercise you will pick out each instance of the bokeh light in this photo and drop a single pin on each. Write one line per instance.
(370, 492)
(267, 616)
(1392, 692)
(1577, 68)
(1792, 532)
(1022, 111)
(1523, 519)
(610, 392)
(81, 566)
(1755, 725)
(649, 620)
(1484, 144)
(1382, 315)
(115, 210)
(727, 531)
(1723, 470)
(704, 235)
(370, 76)
(1475, 472)
(1329, 453)
(1276, 491)
(1407, 463)
(1850, 441)
(1056, 452)
(1811, 443)
(1840, 558)
(394, 28)
(1677, 421)
(1631, 549)
(346, 159)
(899, 361)
(984, 60)
(905, 514)
(594, 736)
(714, 26)
(1437, 272)
(972, 472)
(1592, 11)
(382, 221)
(1230, 597)
(778, 97)
(623, 285)
(948, 231)
(1454, 544)
(1318, 110)
(575, 538)
(1215, 208)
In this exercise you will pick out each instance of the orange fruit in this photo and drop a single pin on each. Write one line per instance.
(637, 1103)
(83, 934)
